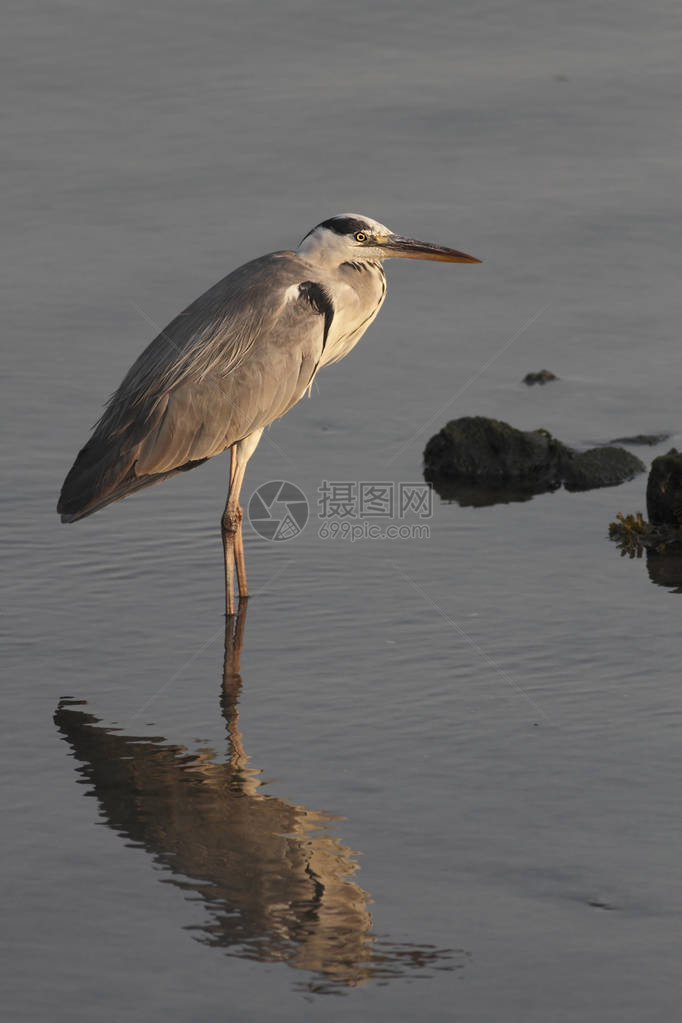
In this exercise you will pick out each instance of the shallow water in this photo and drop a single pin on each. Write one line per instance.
(458, 757)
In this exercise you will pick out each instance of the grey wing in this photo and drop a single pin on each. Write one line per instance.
(197, 419)
(235, 360)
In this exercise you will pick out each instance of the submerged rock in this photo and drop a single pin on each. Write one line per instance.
(477, 448)
(543, 377)
(664, 489)
(642, 438)
(601, 467)
(660, 538)
(479, 457)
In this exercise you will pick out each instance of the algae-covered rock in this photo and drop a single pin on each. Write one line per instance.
(477, 448)
(660, 538)
(543, 377)
(664, 489)
(507, 464)
(601, 467)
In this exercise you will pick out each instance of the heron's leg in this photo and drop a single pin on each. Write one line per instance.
(228, 529)
(232, 684)
(239, 558)
(232, 520)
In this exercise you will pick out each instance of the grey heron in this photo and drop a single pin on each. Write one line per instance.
(236, 359)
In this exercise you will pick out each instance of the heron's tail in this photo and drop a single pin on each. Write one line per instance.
(102, 474)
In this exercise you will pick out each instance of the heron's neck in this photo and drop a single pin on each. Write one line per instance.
(366, 277)
(364, 265)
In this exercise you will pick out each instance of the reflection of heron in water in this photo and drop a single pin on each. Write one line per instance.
(278, 886)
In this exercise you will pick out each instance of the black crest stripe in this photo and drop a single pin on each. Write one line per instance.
(344, 225)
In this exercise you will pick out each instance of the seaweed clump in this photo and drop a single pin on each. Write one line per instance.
(633, 534)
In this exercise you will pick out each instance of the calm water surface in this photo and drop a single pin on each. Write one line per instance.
(439, 778)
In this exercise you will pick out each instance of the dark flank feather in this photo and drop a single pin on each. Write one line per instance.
(93, 481)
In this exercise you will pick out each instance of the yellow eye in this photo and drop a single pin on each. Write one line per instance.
(360, 236)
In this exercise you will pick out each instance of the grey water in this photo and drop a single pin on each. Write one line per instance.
(435, 777)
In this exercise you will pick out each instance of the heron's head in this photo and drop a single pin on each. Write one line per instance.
(351, 237)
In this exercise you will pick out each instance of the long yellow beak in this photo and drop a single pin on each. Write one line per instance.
(409, 248)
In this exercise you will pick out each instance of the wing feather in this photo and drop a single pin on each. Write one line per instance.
(236, 359)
